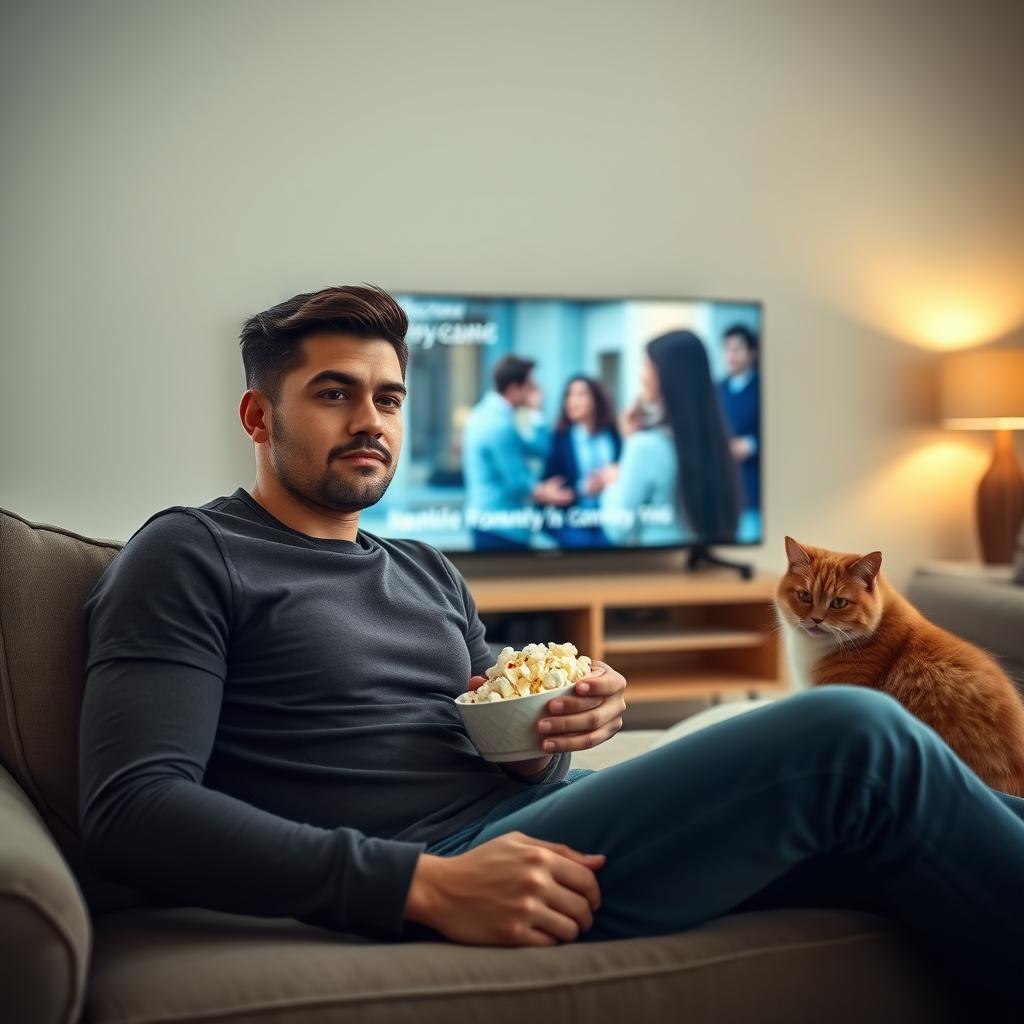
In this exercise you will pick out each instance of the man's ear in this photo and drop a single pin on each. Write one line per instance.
(252, 412)
(867, 569)
(798, 557)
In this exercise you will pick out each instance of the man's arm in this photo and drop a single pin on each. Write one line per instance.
(147, 730)
(159, 624)
(544, 767)
(507, 453)
(529, 771)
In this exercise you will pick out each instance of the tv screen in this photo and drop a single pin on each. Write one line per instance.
(571, 423)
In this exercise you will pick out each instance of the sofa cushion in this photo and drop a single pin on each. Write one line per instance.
(625, 744)
(46, 573)
(791, 965)
(45, 933)
(985, 610)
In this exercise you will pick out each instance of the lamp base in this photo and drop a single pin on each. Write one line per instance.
(1000, 503)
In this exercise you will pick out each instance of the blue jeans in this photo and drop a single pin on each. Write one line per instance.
(836, 796)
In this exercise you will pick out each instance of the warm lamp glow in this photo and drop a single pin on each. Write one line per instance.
(983, 390)
(941, 308)
(954, 327)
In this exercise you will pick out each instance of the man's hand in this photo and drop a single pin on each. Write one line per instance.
(579, 722)
(741, 447)
(589, 718)
(631, 419)
(553, 492)
(513, 890)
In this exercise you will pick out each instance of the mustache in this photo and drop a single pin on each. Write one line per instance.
(363, 444)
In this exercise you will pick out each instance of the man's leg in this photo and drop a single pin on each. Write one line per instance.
(699, 827)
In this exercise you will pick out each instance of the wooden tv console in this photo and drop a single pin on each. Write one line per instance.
(673, 635)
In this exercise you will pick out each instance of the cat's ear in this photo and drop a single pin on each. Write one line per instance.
(797, 556)
(867, 569)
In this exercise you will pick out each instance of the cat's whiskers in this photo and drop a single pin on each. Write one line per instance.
(846, 638)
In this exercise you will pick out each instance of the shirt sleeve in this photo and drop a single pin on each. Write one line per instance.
(557, 769)
(507, 453)
(159, 628)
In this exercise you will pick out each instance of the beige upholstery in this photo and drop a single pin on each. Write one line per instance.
(73, 946)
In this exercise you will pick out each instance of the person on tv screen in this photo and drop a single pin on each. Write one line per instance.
(741, 401)
(586, 439)
(676, 482)
(499, 481)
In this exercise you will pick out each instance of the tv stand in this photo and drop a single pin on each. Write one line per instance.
(675, 636)
(701, 555)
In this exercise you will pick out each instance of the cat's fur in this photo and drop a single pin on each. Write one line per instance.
(881, 641)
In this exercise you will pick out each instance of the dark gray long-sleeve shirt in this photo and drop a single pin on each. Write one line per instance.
(268, 726)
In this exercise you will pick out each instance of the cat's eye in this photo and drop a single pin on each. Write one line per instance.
(839, 602)
(804, 596)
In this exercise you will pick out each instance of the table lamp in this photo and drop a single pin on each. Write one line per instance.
(984, 390)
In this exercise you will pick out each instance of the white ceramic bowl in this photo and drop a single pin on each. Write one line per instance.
(506, 730)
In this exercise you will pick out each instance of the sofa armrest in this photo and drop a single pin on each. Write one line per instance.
(45, 930)
(986, 612)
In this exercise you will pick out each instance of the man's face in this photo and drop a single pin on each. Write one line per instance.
(528, 393)
(738, 357)
(345, 399)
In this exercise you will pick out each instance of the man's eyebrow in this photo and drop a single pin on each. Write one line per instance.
(337, 377)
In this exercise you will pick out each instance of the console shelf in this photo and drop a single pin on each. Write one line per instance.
(674, 636)
(684, 640)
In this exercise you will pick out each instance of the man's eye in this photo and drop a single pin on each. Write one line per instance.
(804, 596)
(840, 602)
(395, 403)
(333, 391)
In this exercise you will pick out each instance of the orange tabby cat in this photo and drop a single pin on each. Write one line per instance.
(844, 623)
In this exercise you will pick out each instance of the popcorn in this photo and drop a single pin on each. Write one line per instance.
(534, 669)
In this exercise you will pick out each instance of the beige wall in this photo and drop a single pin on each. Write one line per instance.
(170, 167)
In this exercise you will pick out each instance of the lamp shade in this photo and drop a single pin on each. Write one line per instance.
(983, 390)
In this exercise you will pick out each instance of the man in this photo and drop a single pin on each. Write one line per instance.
(268, 727)
(499, 482)
(741, 391)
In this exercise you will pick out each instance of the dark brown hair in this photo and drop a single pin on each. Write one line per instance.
(271, 341)
(709, 484)
(511, 370)
(604, 415)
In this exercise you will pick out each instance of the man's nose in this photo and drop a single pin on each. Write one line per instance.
(367, 419)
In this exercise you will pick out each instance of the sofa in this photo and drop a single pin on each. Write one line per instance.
(983, 604)
(78, 947)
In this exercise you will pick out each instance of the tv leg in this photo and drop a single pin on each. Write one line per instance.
(702, 556)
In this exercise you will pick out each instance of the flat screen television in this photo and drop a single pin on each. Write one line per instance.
(560, 423)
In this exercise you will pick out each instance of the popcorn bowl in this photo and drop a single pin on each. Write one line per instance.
(506, 730)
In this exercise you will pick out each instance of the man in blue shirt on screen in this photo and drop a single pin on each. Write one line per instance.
(502, 491)
(741, 401)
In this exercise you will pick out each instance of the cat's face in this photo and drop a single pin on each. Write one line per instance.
(830, 596)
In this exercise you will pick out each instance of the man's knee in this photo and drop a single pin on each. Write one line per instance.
(842, 709)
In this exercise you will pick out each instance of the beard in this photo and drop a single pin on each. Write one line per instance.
(346, 490)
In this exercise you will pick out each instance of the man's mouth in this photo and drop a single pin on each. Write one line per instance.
(365, 454)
